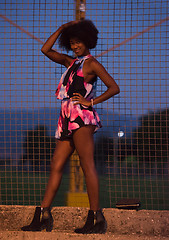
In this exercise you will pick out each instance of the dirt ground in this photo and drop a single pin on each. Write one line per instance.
(70, 236)
(122, 224)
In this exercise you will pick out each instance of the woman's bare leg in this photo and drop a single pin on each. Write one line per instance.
(84, 144)
(62, 151)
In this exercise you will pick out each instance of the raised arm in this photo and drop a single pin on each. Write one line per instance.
(52, 54)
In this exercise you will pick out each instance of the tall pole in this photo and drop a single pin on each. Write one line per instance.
(80, 9)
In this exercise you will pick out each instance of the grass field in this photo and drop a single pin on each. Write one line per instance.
(23, 188)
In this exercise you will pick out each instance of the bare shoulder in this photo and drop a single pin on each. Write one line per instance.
(93, 65)
(92, 60)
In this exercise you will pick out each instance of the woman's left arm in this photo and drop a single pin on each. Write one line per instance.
(112, 87)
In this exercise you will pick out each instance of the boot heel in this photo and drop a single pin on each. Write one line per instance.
(49, 227)
(100, 226)
(47, 220)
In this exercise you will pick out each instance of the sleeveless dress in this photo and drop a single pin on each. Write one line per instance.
(73, 116)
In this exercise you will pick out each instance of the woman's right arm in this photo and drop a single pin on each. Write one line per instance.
(54, 55)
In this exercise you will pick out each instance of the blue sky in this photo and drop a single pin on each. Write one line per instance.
(28, 79)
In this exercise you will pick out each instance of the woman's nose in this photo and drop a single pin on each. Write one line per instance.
(75, 45)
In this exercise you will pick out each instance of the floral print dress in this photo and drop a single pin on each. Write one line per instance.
(73, 116)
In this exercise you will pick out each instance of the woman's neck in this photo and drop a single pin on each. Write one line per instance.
(81, 57)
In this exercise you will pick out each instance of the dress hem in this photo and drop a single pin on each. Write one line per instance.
(71, 131)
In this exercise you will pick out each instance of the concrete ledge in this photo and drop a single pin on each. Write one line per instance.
(66, 219)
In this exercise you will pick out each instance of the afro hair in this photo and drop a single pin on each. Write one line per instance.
(84, 30)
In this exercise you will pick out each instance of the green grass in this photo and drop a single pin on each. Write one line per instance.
(28, 189)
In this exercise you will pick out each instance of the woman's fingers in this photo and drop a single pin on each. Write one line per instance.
(77, 96)
(79, 99)
(69, 23)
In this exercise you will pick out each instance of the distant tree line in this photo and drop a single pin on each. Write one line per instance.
(38, 148)
(151, 141)
(145, 152)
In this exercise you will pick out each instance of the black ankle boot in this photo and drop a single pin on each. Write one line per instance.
(101, 224)
(42, 220)
(86, 229)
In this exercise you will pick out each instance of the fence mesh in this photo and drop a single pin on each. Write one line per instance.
(132, 148)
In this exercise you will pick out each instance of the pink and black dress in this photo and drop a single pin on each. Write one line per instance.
(73, 116)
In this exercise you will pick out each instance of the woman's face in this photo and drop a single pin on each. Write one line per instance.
(78, 47)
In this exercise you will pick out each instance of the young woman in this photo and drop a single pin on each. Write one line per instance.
(78, 119)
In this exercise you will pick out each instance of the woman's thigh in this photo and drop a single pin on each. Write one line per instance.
(84, 144)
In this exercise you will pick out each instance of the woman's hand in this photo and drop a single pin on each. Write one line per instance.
(65, 25)
(79, 99)
(54, 55)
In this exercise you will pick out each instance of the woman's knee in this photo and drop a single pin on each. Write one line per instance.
(62, 152)
(88, 167)
(57, 163)
(57, 166)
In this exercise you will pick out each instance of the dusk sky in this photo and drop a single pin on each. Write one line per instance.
(140, 66)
